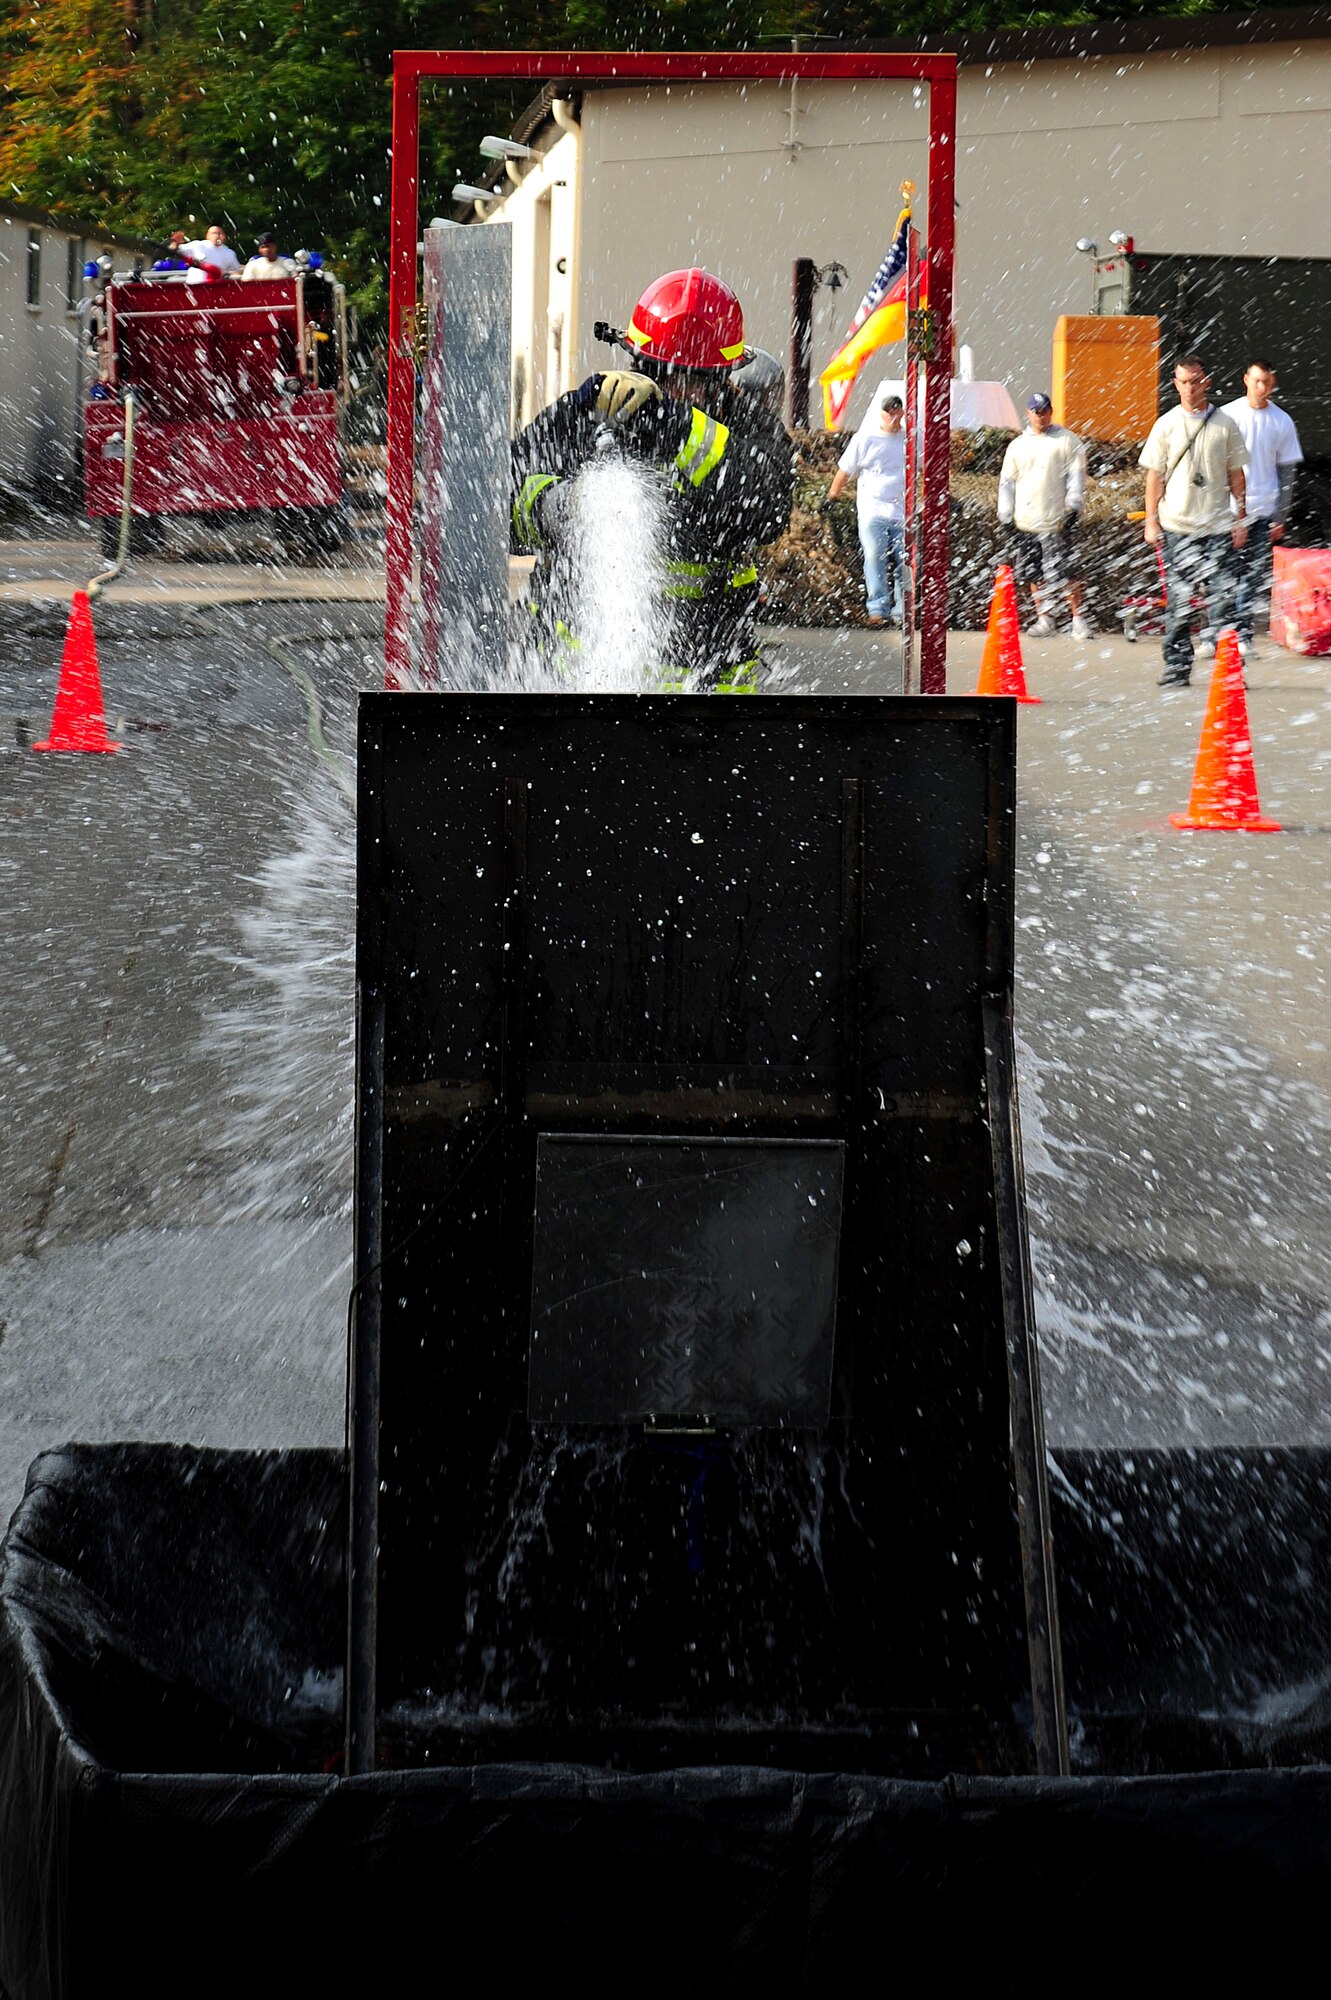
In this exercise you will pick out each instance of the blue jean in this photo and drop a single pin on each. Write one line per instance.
(884, 545)
(1254, 566)
(1202, 566)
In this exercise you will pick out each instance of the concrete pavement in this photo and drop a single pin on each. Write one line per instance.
(175, 1053)
(46, 572)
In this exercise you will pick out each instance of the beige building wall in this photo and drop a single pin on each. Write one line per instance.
(542, 211)
(42, 350)
(1194, 151)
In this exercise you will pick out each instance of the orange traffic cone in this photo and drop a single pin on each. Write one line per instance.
(79, 722)
(1224, 784)
(1001, 670)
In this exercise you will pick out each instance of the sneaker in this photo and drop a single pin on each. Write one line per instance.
(1043, 627)
(1175, 677)
(1247, 649)
(1081, 628)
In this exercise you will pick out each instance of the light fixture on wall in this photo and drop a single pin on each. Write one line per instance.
(464, 191)
(1088, 246)
(510, 151)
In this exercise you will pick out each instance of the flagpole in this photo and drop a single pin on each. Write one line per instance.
(910, 581)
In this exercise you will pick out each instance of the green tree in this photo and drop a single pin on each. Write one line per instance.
(152, 114)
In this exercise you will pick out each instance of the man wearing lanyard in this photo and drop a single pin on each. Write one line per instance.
(1194, 460)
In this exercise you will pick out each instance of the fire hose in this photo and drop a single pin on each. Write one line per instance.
(126, 491)
(322, 749)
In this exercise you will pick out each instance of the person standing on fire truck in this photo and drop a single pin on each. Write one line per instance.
(722, 453)
(211, 254)
(267, 262)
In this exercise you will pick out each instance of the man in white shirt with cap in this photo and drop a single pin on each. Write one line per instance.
(875, 459)
(1274, 452)
(1041, 489)
(267, 261)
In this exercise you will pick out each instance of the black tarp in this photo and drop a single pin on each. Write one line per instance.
(172, 1816)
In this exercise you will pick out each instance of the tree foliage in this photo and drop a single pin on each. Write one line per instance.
(153, 114)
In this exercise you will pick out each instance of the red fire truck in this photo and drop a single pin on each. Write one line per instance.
(239, 389)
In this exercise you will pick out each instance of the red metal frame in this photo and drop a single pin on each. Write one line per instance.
(939, 72)
(912, 398)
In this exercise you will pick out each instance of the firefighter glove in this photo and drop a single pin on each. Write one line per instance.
(623, 394)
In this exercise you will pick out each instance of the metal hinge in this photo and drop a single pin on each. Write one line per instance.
(920, 332)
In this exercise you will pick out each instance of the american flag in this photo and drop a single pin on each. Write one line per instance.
(885, 276)
(884, 304)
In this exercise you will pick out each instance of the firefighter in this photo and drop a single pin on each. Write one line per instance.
(686, 408)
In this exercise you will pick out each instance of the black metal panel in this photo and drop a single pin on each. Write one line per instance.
(690, 1281)
(1233, 310)
(756, 919)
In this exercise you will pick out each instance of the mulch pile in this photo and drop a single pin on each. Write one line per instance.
(814, 574)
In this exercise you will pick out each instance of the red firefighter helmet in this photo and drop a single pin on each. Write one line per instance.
(688, 319)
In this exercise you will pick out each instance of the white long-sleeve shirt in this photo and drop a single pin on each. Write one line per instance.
(1043, 479)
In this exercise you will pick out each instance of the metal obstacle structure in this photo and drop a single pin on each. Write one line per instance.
(411, 67)
(695, 1410)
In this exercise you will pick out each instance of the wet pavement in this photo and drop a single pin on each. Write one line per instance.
(175, 1035)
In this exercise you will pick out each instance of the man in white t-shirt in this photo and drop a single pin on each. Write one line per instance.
(211, 254)
(1273, 453)
(1041, 488)
(876, 461)
(1195, 460)
(267, 262)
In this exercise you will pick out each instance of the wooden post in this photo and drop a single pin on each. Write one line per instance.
(801, 342)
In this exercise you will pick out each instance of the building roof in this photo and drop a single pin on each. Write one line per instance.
(73, 225)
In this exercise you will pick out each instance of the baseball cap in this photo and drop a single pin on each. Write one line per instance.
(892, 403)
(1039, 401)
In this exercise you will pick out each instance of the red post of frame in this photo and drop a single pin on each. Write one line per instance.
(400, 428)
(539, 65)
(938, 383)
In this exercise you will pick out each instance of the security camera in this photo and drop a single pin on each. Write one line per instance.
(1087, 246)
(505, 149)
(464, 191)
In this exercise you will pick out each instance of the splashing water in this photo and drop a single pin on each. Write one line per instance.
(290, 1042)
(614, 549)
